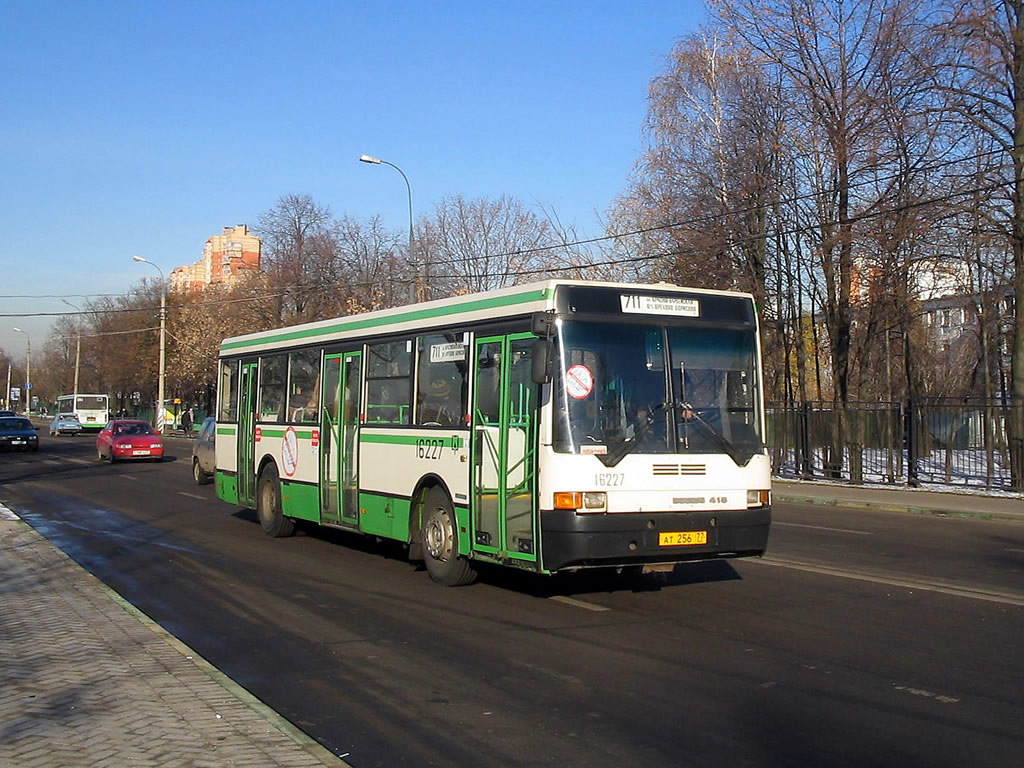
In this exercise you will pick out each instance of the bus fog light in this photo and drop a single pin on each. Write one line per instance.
(595, 500)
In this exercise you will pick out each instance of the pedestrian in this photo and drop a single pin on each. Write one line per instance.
(186, 422)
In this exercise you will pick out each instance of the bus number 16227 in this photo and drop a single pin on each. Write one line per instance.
(429, 448)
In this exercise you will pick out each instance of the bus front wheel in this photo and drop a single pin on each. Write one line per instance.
(268, 505)
(440, 541)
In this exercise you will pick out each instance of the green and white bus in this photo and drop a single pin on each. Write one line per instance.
(93, 411)
(552, 426)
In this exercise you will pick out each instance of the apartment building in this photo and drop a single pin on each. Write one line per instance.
(227, 258)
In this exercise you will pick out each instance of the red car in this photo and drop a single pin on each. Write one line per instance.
(129, 439)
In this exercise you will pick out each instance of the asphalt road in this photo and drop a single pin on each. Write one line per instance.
(863, 639)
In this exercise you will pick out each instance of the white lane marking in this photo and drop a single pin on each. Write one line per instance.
(192, 495)
(550, 672)
(578, 603)
(992, 596)
(926, 694)
(823, 528)
(7, 514)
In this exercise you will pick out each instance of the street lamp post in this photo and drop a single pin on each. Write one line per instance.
(163, 343)
(408, 188)
(78, 348)
(28, 370)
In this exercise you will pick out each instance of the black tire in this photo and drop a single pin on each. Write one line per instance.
(440, 541)
(268, 505)
(198, 475)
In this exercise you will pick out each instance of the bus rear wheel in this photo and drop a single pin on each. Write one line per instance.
(268, 505)
(440, 540)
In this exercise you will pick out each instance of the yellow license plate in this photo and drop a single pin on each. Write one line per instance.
(682, 538)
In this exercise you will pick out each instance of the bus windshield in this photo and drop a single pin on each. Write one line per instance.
(625, 388)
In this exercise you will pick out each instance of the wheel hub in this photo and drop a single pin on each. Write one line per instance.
(438, 537)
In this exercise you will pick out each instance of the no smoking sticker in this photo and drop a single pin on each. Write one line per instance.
(579, 382)
(290, 451)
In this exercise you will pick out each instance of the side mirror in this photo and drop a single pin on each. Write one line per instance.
(542, 324)
(542, 361)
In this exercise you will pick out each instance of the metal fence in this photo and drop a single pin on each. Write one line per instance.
(962, 443)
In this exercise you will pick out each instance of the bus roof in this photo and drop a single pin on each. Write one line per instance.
(476, 307)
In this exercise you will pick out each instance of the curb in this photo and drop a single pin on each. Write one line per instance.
(913, 509)
(299, 737)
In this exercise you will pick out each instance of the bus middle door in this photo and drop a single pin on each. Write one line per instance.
(339, 427)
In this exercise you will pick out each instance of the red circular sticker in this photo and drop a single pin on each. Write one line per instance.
(579, 382)
(290, 451)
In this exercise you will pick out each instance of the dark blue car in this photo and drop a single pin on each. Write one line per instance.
(18, 434)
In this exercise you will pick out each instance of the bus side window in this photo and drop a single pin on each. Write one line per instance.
(303, 396)
(273, 375)
(442, 384)
(389, 383)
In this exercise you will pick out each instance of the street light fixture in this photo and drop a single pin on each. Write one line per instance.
(408, 187)
(163, 343)
(28, 370)
(78, 348)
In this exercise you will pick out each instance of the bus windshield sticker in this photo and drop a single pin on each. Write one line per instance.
(447, 353)
(659, 305)
(579, 382)
(593, 450)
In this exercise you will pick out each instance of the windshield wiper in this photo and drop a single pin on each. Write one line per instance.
(727, 447)
(640, 428)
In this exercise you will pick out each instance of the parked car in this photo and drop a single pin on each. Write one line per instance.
(204, 460)
(129, 439)
(18, 434)
(65, 424)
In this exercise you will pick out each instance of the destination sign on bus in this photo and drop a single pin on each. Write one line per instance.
(447, 353)
(659, 305)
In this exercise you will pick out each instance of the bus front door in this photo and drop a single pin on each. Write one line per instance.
(339, 426)
(505, 436)
(247, 436)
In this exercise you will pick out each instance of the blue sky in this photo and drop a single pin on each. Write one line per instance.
(145, 128)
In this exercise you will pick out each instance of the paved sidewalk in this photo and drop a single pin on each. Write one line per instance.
(88, 680)
(1002, 506)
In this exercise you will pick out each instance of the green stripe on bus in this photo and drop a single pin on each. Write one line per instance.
(452, 441)
(302, 435)
(414, 315)
(225, 430)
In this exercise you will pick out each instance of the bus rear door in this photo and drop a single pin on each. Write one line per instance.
(247, 436)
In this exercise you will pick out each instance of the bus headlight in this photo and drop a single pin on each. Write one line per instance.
(758, 498)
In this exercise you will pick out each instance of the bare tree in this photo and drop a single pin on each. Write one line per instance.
(299, 255)
(984, 81)
(479, 245)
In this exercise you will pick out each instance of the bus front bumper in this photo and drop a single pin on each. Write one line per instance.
(570, 540)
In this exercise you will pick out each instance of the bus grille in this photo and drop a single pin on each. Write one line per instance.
(676, 470)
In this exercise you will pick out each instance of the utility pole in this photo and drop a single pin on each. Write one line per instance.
(159, 423)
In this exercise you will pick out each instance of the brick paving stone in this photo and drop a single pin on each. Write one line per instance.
(87, 680)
